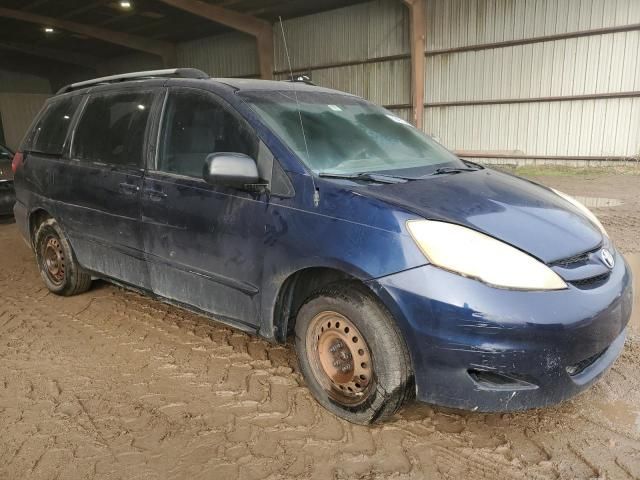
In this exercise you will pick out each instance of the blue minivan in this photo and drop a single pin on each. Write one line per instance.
(287, 210)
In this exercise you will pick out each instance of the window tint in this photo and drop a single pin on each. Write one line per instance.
(50, 131)
(112, 128)
(194, 126)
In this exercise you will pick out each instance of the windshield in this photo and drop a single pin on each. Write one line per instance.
(347, 135)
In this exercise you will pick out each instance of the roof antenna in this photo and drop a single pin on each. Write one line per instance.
(316, 192)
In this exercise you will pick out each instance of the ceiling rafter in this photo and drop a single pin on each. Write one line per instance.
(117, 18)
(35, 4)
(84, 8)
(163, 49)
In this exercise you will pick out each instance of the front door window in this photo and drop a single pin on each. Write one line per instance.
(195, 125)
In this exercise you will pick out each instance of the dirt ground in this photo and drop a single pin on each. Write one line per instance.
(110, 384)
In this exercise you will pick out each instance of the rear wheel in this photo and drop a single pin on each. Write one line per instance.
(60, 271)
(352, 355)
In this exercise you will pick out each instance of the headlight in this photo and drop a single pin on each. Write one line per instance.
(587, 213)
(473, 254)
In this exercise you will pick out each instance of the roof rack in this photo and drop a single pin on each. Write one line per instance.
(123, 77)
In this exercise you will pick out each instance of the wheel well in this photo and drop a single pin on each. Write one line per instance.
(35, 219)
(296, 289)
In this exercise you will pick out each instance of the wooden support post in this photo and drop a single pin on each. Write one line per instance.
(417, 19)
(258, 28)
(264, 43)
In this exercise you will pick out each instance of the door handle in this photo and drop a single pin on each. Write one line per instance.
(155, 194)
(129, 188)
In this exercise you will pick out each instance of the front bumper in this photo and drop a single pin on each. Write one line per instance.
(480, 348)
(7, 197)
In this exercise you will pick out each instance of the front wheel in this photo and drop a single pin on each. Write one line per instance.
(352, 355)
(58, 267)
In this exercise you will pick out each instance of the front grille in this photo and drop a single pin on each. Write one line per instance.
(569, 261)
(584, 271)
(591, 282)
(582, 365)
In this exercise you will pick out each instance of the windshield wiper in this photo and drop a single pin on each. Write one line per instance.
(451, 170)
(387, 178)
(368, 177)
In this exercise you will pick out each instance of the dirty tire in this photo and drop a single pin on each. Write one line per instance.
(51, 244)
(392, 382)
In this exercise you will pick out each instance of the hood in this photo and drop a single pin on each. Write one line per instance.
(5, 170)
(516, 211)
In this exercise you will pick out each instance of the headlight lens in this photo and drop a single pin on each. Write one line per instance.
(587, 213)
(473, 254)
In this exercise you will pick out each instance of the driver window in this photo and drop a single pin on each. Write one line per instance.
(195, 124)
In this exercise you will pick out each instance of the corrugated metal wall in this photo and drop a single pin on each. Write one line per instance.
(518, 78)
(357, 36)
(23, 83)
(515, 77)
(231, 55)
(18, 111)
(130, 63)
(21, 97)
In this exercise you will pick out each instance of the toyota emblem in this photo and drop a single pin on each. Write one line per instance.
(607, 258)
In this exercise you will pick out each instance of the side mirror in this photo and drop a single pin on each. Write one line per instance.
(235, 170)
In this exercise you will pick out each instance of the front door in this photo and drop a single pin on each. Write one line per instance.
(100, 185)
(203, 242)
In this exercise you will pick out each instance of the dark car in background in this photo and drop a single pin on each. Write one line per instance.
(401, 270)
(7, 192)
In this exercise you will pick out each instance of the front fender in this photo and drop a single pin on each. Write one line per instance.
(298, 239)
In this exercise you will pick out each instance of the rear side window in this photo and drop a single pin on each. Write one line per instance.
(50, 131)
(112, 128)
(196, 124)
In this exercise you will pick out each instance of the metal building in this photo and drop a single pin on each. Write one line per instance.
(496, 80)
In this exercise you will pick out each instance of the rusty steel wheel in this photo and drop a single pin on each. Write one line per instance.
(340, 358)
(53, 255)
(58, 267)
(352, 354)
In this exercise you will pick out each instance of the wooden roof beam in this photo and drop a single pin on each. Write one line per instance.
(260, 29)
(165, 50)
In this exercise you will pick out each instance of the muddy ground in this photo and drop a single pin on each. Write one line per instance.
(110, 384)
